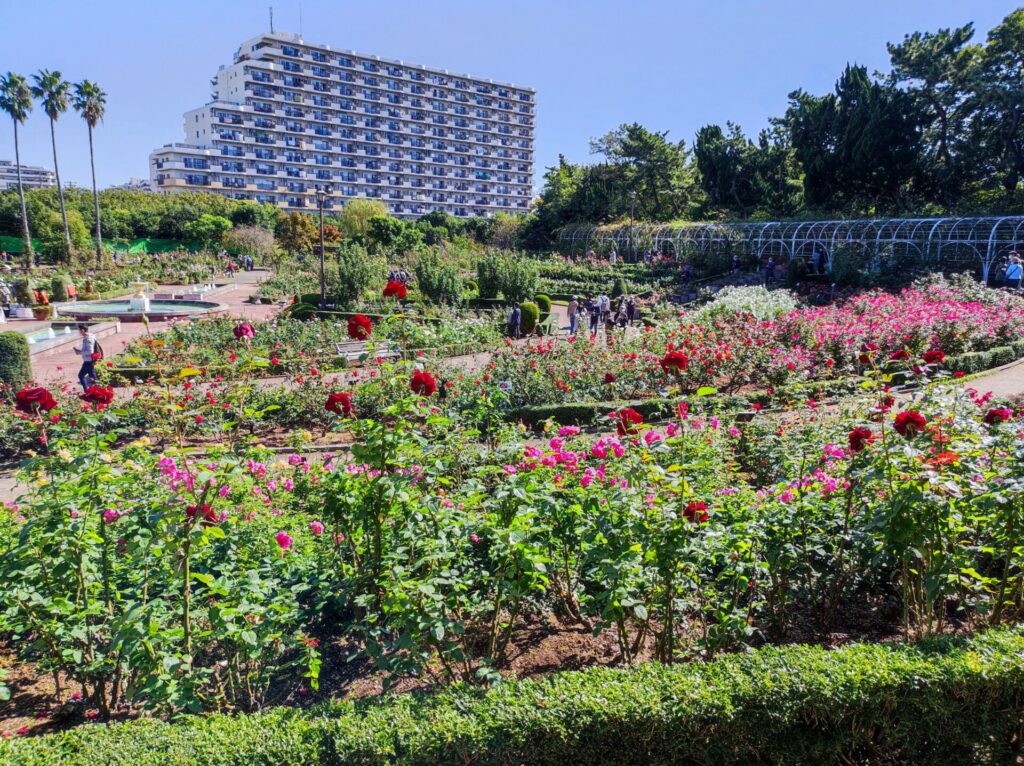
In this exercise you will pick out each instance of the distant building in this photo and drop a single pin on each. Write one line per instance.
(133, 184)
(32, 177)
(289, 117)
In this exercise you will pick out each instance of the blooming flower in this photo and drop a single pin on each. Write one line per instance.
(32, 399)
(627, 420)
(101, 396)
(339, 404)
(674, 362)
(395, 289)
(316, 527)
(284, 540)
(359, 327)
(910, 423)
(422, 383)
(860, 437)
(998, 415)
(934, 356)
(696, 512)
(244, 331)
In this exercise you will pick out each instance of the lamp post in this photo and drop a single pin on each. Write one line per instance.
(321, 196)
(632, 241)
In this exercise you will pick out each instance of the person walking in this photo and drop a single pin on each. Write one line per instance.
(1014, 272)
(604, 307)
(631, 311)
(89, 351)
(735, 263)
(769, 270)
(515, 322)
(574, 311)
(593, 313)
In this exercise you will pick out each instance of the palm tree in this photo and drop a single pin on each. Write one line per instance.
(16, 100)
(52, 91)
(91, 102)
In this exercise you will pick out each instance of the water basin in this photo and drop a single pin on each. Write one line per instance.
(159, 310)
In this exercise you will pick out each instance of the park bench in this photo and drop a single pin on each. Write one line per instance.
(355, 351)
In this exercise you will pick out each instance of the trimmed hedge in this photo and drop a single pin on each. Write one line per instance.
(15, 360)
(530, 317)
(943, 701)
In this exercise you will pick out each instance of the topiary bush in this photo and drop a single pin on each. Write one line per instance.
(15, 360)
(543, 303)
(618, 287)
(531, 316)
(59, 287)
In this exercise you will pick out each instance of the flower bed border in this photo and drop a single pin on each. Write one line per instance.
(945, 700)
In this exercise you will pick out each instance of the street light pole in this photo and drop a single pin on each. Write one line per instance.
(632, 241)
(320, 196)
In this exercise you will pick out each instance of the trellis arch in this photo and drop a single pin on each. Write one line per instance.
(948, 242)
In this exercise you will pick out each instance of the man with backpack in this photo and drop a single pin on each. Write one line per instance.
(515, 321)
(91, 353)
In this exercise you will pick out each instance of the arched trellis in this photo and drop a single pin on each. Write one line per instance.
(949, 242)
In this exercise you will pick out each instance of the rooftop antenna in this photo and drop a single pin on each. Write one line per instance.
(271, 19)
(300, 19)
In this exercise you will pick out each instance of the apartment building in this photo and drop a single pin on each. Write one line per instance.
(31, 177)
(289, 118)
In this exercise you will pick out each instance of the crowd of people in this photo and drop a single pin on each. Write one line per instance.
(595, 313)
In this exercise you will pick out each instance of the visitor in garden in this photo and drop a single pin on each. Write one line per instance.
(1014, 272)
(574, 312)
(735, 263)
(631, 311)
(687, 274)
(613, 256)
(769, 270)
(87, 375)
(815, 261)
(593, 310)
(604, 306)
(515, 322)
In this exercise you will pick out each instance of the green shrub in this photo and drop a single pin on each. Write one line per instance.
(618, 287)
(15, 360)
(944, 701)
(59, 287)
(511, 274)
(531, 315)
(23, 292)
(543, 303)
(439, 280)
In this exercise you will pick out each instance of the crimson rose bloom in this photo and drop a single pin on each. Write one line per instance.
(628, 419)
(910, 423)
(32, 399)
(99, 395)
(899, 355)
(998, 415)
(422, 383)
(865, 352)
(395, 289)
(340, 404)
(674, 362)
(359, 327)
(244, 330)
(860, 437)
(934, 356)
(609, 378)
(696, 512)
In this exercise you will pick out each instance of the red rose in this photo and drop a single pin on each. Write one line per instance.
(674, 362)
(340, 404)
(998, 415)
(860, 437)
(696, 512)
(359, 327)
(101, 396)
(866, 350)
(394, 289)
(934, 356)
(910, 423)
(422, 383)
(899, 355)
(31, 400)
(628, 419)
(244, 330)
(609, 378)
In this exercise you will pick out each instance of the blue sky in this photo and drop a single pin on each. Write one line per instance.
(668, 65)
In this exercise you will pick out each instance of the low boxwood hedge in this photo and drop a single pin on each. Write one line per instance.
(943, 701)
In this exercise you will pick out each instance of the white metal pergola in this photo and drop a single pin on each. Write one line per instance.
(948, 242)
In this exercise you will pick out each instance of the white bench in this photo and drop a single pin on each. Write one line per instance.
(358, 350)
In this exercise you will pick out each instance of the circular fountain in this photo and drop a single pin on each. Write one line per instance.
(139, 301)
(129, 310)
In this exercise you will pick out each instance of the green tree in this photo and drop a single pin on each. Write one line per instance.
(354, 219)
(52, 235)
(254, 241)
(16, 101)
(207, 230)
(91, 102)
(997, 85)
(439, 280)
(296, 233)
(355, 272)
(936, 70)
(52, 91)
(391, 235)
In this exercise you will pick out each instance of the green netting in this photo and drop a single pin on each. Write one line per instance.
(146, 245)
(14, 244)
